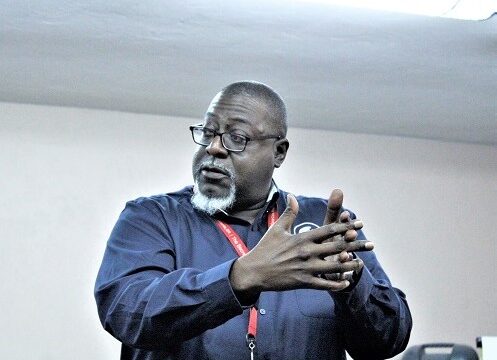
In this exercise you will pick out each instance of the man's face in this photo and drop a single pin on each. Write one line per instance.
(217, 171)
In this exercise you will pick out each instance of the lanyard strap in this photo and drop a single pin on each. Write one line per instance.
(241, 249)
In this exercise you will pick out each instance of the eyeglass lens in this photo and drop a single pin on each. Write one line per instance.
(230, 141)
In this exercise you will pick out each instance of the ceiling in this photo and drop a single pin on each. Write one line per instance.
(337, 68)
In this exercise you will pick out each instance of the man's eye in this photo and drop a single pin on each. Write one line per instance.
(237, 139)
(208, 133)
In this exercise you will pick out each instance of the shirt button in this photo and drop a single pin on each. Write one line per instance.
(262, 311)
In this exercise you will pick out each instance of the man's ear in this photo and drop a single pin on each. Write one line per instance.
(280, 149)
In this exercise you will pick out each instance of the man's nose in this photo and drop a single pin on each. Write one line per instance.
(216, 148)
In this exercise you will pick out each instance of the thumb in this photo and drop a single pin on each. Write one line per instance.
(334, 206)
(288, 217)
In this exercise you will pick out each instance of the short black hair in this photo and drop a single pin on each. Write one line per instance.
(265, 93)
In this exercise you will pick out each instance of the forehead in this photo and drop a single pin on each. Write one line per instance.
(239, 109)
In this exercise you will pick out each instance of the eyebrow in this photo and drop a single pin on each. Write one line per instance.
(237, 119)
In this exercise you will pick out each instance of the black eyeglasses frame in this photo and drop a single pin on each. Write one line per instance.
(221, 135)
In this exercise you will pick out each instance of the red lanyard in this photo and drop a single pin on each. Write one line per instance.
(241, 249)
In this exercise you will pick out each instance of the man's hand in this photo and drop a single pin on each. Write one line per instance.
(283, 261)
(335, 215)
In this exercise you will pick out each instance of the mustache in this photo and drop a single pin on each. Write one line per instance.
(213, 164)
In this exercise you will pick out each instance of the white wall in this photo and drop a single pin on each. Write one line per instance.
(66, 174)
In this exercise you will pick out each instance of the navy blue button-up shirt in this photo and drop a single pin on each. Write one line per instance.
(163, 291)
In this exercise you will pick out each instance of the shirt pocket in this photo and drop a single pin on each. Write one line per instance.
(315, 303)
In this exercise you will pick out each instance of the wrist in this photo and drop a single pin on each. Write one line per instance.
(242, 284)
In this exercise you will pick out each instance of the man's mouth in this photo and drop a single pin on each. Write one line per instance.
(214, 172)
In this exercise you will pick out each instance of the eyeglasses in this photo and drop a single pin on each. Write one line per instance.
(231, 141)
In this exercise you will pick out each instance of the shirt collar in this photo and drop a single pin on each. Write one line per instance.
(274, 190)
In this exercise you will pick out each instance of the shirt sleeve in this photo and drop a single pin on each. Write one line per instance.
(375, 315)
(143, 300)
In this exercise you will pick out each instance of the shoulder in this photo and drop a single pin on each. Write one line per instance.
(178, 197)
(163, 204)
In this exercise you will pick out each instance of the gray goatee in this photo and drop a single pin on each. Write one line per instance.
(212, 204)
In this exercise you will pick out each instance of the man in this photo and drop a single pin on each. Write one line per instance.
(178, 282)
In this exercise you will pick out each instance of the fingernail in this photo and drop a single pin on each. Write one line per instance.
(358, 224)
(347, 283)
(369, 245)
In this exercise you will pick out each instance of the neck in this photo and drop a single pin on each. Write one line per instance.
(248, 213)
